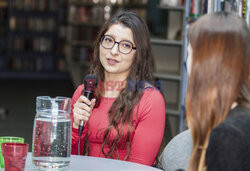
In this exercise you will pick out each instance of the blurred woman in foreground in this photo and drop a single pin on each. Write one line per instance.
(218, 95)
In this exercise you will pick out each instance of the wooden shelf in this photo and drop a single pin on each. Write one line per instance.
(3, 4)
(81, 43)
(80, 63)
(33, 14)
(30, 54)
(79, 3)
(37, 51)
(167, 76)
(138, 6)
(173, 112)
(167, 42)
(172, 109)
(34, 75)
(32, 34)
(115, 5)
(171, 8)
(90, 24)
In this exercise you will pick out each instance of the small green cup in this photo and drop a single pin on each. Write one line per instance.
(8, 140)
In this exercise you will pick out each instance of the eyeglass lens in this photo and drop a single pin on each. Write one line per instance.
(123, 46)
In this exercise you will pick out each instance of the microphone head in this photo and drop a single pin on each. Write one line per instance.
(90, 82)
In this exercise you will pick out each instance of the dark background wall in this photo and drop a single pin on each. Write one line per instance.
(18, 97)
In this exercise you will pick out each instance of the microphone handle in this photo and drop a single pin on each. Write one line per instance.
(82, 123)
(89, 95)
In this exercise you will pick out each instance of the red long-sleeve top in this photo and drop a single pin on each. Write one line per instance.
(148, 123)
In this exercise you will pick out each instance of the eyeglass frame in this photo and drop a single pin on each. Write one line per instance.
(115, 42)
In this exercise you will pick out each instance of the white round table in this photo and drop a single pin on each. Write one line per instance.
(78, 163)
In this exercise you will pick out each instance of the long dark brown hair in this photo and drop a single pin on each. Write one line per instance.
(120, 113)
(219, 76)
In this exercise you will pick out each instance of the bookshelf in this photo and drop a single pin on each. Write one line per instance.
(168, 49)
(3, 31)
(200, 7)
(35, 47)
(195, 9)
(85, 18)
(170, 46)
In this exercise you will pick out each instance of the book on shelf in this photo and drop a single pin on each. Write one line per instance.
(28, 64)
(32, 24)
(76, 33)
(27, 45)
(241, 7)
(32, 5)
(102, 10)
(3, 32)
(81, 54)
(200, 7)
(83, 14)
(36, 32)
(248, 13)
(86, 14)
(171, 3)
(3, 4)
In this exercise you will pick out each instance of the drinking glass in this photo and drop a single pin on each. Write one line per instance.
(7, 139)
(14, 156)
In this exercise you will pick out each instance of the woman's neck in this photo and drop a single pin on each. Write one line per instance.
(113, 84)
(115, 77)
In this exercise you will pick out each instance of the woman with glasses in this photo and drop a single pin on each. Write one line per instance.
(121, 123)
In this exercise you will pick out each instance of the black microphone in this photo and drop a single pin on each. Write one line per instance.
(90, 84)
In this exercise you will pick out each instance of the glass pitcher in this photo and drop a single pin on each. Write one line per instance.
(51, 145)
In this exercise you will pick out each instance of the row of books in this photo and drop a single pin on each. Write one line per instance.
(3, 14)
(30, 5)
(200, 7)
(32, 24)
(95, 14)
(20, 44)
(247, 13)
(81, 54)
(3, 33)
(86, 14)
(36, 64)
(33, 43)
(244, 10)
(82, 33)
(242, 7)
(115, 2)
(26, 64)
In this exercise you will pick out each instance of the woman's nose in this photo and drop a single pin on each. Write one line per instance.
(115, 49)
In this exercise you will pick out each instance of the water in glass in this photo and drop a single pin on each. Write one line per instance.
(51, 145)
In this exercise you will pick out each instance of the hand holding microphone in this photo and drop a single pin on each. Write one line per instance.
(82, 110)
(84, 105)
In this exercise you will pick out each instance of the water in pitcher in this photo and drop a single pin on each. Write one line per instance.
(51, 139)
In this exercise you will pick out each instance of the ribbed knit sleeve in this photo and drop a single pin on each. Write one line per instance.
(150, 128)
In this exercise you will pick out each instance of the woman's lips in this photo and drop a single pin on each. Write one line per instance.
(112, 61)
